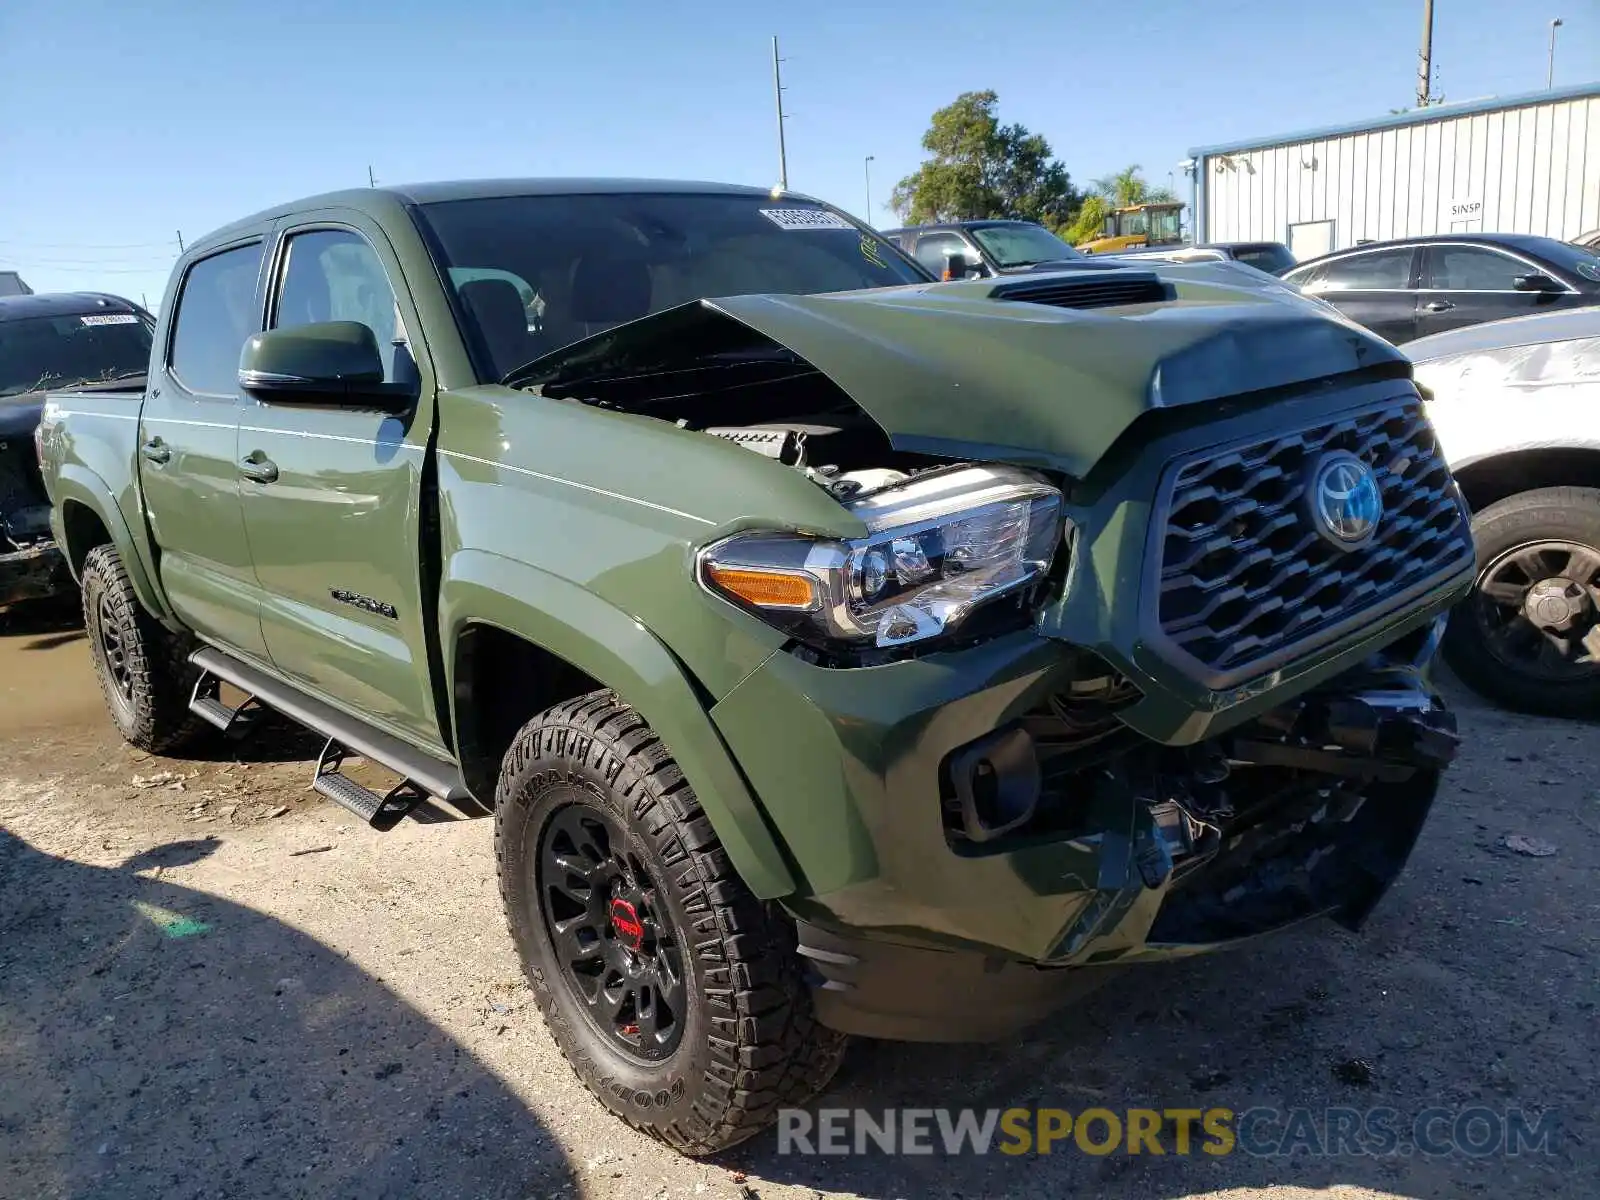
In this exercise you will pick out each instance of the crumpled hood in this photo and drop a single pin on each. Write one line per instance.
(948, 369)
(943, 365)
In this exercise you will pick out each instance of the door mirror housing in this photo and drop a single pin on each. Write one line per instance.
(958, 266)
(334, 363)
(1536, 281)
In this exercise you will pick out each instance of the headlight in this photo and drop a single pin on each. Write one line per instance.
(938, 546)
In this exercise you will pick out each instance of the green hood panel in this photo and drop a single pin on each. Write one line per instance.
(947, 370)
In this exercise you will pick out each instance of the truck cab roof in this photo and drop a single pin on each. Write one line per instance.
(383, 200)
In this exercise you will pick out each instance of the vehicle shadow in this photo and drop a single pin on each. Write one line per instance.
(157, 1041)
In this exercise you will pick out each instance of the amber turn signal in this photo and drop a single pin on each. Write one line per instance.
(765, 589)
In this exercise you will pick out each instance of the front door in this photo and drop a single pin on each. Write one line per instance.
(1465, 285)
(1376, 288)
(188, 468)
(332, 509)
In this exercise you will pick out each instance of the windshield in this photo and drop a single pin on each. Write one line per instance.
(1585, 264)
(1020, 245)
(58, 352)
(535, 273)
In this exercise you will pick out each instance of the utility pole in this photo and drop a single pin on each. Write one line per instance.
(868, 165)
(1425, 64)
(777, 91)
(180, 241)
(1550, 74)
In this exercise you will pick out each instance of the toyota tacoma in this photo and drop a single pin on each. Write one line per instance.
(838, 651)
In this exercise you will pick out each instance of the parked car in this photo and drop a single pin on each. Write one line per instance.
(813, 689)
(51, 341)
(980, 249)
(1517, 407)
(1272, 257)
(1421, 286)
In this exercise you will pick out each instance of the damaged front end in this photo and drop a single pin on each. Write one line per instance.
(1144, 851)
(31, 566)
(1310, 810)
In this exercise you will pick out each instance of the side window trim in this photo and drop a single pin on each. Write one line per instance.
(258, 238)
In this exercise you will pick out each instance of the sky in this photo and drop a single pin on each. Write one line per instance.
(123, 124)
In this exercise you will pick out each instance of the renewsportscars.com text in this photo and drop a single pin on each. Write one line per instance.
(1474, 1131)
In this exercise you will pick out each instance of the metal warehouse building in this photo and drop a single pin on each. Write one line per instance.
(1525, 164)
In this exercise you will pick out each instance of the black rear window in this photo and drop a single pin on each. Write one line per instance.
(62, 351)
(1271, 257)
(535, 273)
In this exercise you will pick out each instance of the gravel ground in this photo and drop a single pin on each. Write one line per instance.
(212, 983)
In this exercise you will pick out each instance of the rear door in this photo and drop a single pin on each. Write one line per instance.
(1466, 284)
(1377, 288)
(333, 509)
(188, 434)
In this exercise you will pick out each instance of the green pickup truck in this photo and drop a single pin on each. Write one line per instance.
(838, 651)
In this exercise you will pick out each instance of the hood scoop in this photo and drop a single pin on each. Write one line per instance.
(1101, 290)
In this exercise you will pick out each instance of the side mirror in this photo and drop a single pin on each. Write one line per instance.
(333, 363)
(1538, 281)
(958, 266)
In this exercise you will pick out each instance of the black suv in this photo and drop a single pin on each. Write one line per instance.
(52, 341)
(1409, 289)
(982, 248)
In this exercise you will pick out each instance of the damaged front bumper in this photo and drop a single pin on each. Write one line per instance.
(35, 572)
(975, 856)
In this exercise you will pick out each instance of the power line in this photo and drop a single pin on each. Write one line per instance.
(86, 245)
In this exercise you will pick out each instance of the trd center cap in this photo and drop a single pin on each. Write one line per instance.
(626, 925)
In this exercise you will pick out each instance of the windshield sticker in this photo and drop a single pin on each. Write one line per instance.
(110, 319)
(872, 252)
(804, 218)
(1589, 271)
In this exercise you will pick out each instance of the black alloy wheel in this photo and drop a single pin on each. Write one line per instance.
(611, 934)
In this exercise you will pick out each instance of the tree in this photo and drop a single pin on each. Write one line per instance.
(982, 169)
(1122, 190)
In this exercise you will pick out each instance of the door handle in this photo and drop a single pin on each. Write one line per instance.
(258, 468)
(156, 451)
(1437, 306)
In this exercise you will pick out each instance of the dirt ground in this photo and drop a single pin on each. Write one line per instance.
(212, 983)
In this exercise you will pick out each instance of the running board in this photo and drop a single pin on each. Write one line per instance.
(421, 772)
(384, 812)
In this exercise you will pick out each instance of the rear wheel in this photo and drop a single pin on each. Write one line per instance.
(1528, 637)
(674, 993)
(143, 669)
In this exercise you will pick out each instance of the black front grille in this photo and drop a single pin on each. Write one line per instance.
(1246, 575)
(1099, 292)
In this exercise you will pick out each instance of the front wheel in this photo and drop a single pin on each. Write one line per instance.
(675, 994)
(1528, 637)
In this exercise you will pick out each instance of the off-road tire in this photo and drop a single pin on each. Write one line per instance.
(751, 1043)
(154, 713)
(1568, 514)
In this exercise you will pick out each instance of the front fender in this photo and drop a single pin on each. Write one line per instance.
(76, 484)
(610, 646)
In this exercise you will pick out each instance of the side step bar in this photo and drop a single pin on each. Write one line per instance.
(423, 776)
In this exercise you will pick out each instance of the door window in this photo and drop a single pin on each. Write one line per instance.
(216, 311)
(1379, 271)
(1474, 269)
(336, 275)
